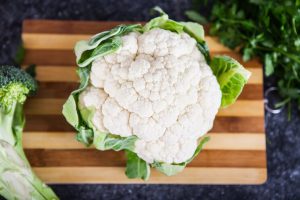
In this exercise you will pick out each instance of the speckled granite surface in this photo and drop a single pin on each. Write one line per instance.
(283, 147)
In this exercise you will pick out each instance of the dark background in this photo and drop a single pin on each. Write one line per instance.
(283, 137)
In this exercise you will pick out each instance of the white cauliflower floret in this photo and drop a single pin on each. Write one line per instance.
(116, 118)
(158, 87)
(92, 97)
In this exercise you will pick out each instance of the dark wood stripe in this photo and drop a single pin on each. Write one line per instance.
(230, 158)
(50, 57)
(47, 123)
(67, 57)
(74, 27)
(57, 123)
(238, 125)
(55, 89)
(70, 27)
(63, 90)
(93, 157)
(252, 92)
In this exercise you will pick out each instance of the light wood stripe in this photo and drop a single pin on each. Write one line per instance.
(218, 141)
(51, 41)
(67, 41)
(67, 58)
(214, 45)
(244, 108)
(55, 140)
(256, 76)
(191, 175)
(54, 106)
(56, 73)
(231, 141)
(68, 74)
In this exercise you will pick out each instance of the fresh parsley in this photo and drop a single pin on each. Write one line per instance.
(269, 30)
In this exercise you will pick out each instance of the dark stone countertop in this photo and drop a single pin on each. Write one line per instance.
(283, 146)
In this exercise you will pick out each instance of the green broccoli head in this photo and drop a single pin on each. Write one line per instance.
(15, 86)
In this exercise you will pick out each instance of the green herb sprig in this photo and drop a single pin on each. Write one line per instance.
(269, 30)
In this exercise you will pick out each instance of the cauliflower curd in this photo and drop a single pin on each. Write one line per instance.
(158, 87)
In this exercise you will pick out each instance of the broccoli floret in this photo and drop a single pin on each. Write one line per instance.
(15, 86)
(17, 180)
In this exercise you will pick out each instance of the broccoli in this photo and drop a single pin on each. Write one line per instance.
(17, 180)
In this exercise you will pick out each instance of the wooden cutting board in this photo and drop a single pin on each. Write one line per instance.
(236, 153)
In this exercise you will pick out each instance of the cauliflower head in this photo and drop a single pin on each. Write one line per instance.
(149, 90)
(158, 87)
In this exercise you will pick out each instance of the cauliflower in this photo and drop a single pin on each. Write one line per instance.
(151, 93)
(158, 87)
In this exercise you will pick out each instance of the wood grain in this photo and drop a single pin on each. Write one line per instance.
(49, 123)
(58, 74)
(53, 106)
(67, 41)
(67, 58)
(93, 157)
(239, 124)
(218, 141)
(243, 108)
(251, 92)
(50, 57)
(63, 89)
(235, 154)
(191, 175)
(70, 27)
(57, 123)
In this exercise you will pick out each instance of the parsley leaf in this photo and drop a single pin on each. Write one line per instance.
(269, 30)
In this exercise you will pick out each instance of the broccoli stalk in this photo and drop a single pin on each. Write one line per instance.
(17, 180)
